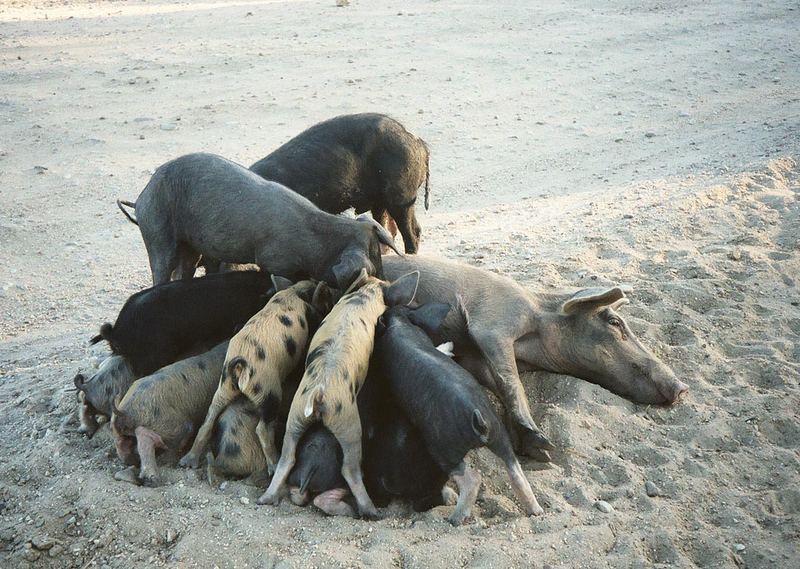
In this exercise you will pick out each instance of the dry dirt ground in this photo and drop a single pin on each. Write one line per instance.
(653, 144)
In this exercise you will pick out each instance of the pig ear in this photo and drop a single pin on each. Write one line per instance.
(591, 298)
(383, 236)
(430, 317)
(402, 291)
(322, 299)
(348, 268)
(280, 283)
(360, 280)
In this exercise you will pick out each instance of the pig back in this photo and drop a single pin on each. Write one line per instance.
(173, 401)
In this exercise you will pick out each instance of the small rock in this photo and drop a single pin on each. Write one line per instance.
(244, 500)
(738, 546)
(55, 551)
(40, 169)
(735, 255)
(42, 543)
(651, 489)
(649, 134)
(172, 535)
(342, 3)
(604, 506)
(168, 126)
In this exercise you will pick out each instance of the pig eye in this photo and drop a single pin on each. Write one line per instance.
(615, 322)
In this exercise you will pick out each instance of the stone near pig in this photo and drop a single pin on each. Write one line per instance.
(445, 403)
(260, 358)
(500, 328)
(159, 325)
(366, 161)
(97, 394)
(202, 204)
(163, 410)
(336, 366)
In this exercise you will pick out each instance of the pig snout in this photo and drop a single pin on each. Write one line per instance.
(669, 390)
(675, 392)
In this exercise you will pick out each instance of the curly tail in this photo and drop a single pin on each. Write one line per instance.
(121, 203)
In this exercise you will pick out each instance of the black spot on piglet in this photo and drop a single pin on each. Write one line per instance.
(291, 346)
(231, 449)
(261, 353)
(285, 320)
(257, 389)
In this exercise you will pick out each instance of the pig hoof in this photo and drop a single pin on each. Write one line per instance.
(189, 461)
(268, 499)
(536, 440)
(456, 520)
(149, 480)
(536, 510)
(370, 515)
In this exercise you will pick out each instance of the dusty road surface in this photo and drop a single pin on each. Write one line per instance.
(653, 144)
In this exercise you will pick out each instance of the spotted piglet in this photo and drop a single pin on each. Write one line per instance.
(234, 450)
(97, 394)
(162, 410)
(260, 358)
(336, 367)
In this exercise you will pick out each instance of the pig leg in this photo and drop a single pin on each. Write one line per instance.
(212, 472)
(469, 482)
(499, 355)
(350, 440)
(187, 264)
(89, 424)
(222, 398)
(379, 214)
(277, 486)
(522, 488)
(266, 436)
(333, 504)
(409, 228)
(147, 442)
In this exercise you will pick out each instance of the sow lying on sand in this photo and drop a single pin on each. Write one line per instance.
(336, 366)
(499, 326)
(203, 204)
(366, 161)
(163, 410)
(160, 325)
(260, 358)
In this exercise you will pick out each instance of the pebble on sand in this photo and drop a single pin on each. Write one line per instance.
(604, 506)
(651, 489)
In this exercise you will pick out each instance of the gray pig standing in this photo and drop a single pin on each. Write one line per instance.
(163, 410)
(203, 204)
(366, 161)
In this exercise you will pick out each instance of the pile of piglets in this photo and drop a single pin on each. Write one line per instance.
(329, 372)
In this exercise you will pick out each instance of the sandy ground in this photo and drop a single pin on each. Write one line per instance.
(652, 144)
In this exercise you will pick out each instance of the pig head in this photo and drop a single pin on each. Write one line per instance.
(583, 335)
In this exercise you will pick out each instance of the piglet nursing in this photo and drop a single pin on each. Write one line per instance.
(163, 410)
